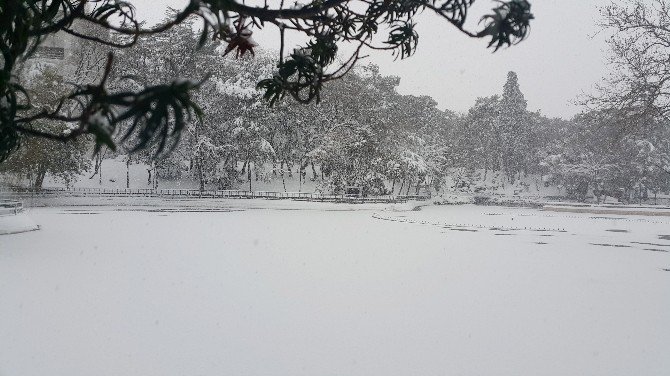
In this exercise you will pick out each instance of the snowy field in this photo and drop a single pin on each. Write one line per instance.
(443, 291)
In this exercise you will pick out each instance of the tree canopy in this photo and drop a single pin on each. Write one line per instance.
(636, 91)
(157, 113)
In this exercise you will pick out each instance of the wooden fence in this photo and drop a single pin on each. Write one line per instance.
(195, 193)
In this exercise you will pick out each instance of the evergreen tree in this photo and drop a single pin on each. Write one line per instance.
(480, 138)
(513, 125)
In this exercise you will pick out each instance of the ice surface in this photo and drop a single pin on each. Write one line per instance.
(443, 291)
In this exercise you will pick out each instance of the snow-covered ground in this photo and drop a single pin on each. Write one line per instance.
(16, 223)
(458, 290)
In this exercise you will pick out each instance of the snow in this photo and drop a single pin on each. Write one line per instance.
(460, 186)
(448, 290)
(14, 224)
(114, 176)
(195, 204)
(241, 89)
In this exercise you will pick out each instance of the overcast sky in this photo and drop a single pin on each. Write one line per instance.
(563, 57)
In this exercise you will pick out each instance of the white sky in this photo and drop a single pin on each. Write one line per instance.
(563, 57)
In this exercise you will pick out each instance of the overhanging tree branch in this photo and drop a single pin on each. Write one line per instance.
(157, 114)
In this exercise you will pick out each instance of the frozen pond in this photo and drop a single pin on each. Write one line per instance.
(443, 291)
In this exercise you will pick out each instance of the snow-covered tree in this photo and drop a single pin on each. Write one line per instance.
(38, 157)
(252, 146)
(595, 157)
(513, 126)
(300, 72)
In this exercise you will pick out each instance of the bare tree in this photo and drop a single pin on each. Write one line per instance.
(637, 90)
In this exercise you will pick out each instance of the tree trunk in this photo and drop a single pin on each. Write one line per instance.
(301, 173)
(201, 175)
(128, 172)
(244, 167)
(39, 178)
(97, 166)
(283, 181)
(154, 169)
(314, 176)
(249, 175)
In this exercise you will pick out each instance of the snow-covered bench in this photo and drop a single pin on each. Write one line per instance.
(10, 207)
(13, 220)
